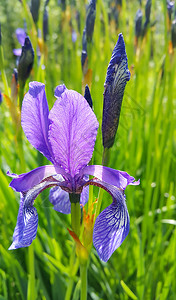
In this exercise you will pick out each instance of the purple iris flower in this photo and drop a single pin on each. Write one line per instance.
(66, 136)
(21, 35)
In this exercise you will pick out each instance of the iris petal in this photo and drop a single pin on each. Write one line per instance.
(120, 179)
(26, 181)
(60, 199)
(72, 139)
(112, 225)
(34, 118)
(27, 221)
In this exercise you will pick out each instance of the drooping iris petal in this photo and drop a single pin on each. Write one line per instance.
(34, 118)
(26, 227)
(116, 79)
(60, 199)
(120, 179)
(112, 225)
(111, 228)
(27, 221)
(72, 132)
(26, 181)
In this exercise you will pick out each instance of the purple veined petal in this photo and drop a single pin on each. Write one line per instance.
(17, 52)
(116, 79)
(34, 118)
(27, 220)
(120, 179)
(26, 227)
(112, 225)
(26, 181)
(72, 132)
(111, 228)
(21, 35)
(59, 90)
(84, 195)
(60, 199)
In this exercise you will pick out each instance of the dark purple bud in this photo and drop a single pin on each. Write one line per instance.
(84, 41)
(84, 51)
(45, 23)
(90, 20)
(147, 12)
(0, 97)
(62, 3)
(83, 59)
(87, 96)
(116, 79)
(170, 7)
(138, 23)
(35, 5)
(26, 61)
(173, 33)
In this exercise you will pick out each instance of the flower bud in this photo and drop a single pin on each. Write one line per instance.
(116, 79)
(87, 95)
(90, 20)
(147, 13)
(170, 7)
(26, 61)
(0, 97)
(45, 22)
(138, 23)
(173, 33)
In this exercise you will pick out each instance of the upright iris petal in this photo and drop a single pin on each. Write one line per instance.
(73, 139)
(116, 79)
(34, 119)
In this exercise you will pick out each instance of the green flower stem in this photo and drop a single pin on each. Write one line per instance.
(75, 212)
(21, 94)
(83, 275)
(74, 265)
(31, 295)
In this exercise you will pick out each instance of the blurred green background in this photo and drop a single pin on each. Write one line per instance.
(144, 267)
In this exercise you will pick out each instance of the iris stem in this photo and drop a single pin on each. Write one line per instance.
(75, 212)
(74, 265)
(31, 282)
(83, 275)
(21, 95)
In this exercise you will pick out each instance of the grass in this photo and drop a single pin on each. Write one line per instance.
(144, 267)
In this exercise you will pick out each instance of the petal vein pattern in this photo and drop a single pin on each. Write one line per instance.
(27, 220)
(112, 225)
(72, 139)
